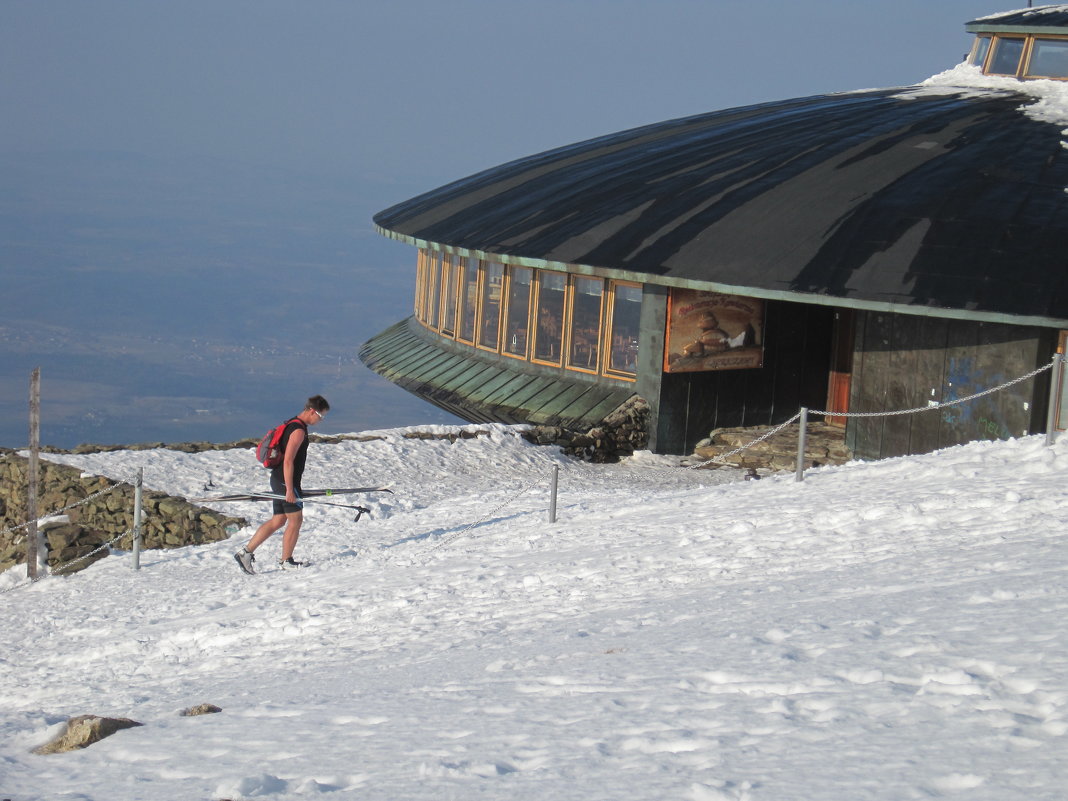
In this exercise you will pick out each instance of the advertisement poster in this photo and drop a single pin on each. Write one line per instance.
(710, 331)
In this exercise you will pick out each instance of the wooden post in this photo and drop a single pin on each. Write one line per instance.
(553, 487)
(32, 535)
(1056, 379)
(802, 434)
(137, 518)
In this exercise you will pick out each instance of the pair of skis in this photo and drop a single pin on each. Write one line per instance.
(315, 496)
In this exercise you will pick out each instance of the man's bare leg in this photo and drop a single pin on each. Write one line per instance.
(291, 534)
(264, 532)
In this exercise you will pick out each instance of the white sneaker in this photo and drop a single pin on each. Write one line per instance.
(246, 560)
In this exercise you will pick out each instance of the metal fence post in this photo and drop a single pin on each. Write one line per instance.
(1055, 380)
(552, 493)
(802, 434)
(137, 519)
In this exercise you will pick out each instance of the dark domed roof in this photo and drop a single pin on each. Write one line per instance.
(936, 199)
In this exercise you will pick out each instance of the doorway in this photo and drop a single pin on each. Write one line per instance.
(841, 375)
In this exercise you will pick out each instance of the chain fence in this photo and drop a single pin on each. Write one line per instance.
(65, 566)
(942, 404)
(801, 415)
(91, 497)
(722, 457)
(457, 534)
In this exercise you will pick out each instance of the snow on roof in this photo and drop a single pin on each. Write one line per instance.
(1049, 16)
(1051, 97)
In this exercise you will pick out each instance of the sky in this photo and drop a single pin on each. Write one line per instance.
(881, 631)
(186, 223)
(431, 91)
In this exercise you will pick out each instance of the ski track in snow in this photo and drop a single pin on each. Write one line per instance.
(891, 630)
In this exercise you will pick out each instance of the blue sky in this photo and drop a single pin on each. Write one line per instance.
(426, 89)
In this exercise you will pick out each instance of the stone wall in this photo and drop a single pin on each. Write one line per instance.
(621, 433)
(824, 444)
(166, 521)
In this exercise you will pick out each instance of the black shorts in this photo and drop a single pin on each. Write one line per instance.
(278, 487)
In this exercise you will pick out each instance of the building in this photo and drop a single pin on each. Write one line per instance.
(864, 251)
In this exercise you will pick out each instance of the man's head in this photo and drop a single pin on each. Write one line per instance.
(316, 408)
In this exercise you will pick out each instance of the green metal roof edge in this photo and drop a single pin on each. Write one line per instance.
(424, 379)
(1031, 29)
(731, 289)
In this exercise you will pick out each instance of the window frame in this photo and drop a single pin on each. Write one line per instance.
(536, 310)
(610, 297)
(461, 301)
(995, 45)
(449, 265)
(506, 312)
(989, 40)
(569, 332)
(483, 276)
(433, 297)
(1032, 41)
(420, 286)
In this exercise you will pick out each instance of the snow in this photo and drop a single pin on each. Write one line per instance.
(890, 630)
(1032, 14)
(1050, 97)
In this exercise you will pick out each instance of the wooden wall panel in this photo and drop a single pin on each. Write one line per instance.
(868, 392)
(958, 381)
(905, 362)
(931, 342)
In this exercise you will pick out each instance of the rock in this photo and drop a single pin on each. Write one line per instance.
(200, 709)
(824, 444)
(171, 507)
(83, 731)
(620, 433)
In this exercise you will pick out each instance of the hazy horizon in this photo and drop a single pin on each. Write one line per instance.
(171, 307)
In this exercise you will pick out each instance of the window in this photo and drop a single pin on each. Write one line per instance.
(450, 270)
(979, 51)
(1049, 59)
(468, 299)
(433, 274)
(568, 321)
(419, 307)
(549, 325)
(584, 341)
(489, 323)
(626, 310)
(515, 326)
(1006, 58)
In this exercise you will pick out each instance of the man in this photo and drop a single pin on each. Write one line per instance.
(285, 481)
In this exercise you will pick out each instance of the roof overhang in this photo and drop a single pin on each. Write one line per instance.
(1047, 19)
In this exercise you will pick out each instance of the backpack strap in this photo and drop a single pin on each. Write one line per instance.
(300, 424)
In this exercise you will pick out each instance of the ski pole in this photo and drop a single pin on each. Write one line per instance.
(360, 510)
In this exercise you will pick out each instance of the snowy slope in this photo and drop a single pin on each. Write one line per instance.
(893, 630)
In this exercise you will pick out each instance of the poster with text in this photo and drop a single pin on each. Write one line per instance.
(711, 331)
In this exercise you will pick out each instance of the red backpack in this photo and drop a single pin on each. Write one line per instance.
(269, 452)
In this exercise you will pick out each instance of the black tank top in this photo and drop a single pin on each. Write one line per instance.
(302, 452)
